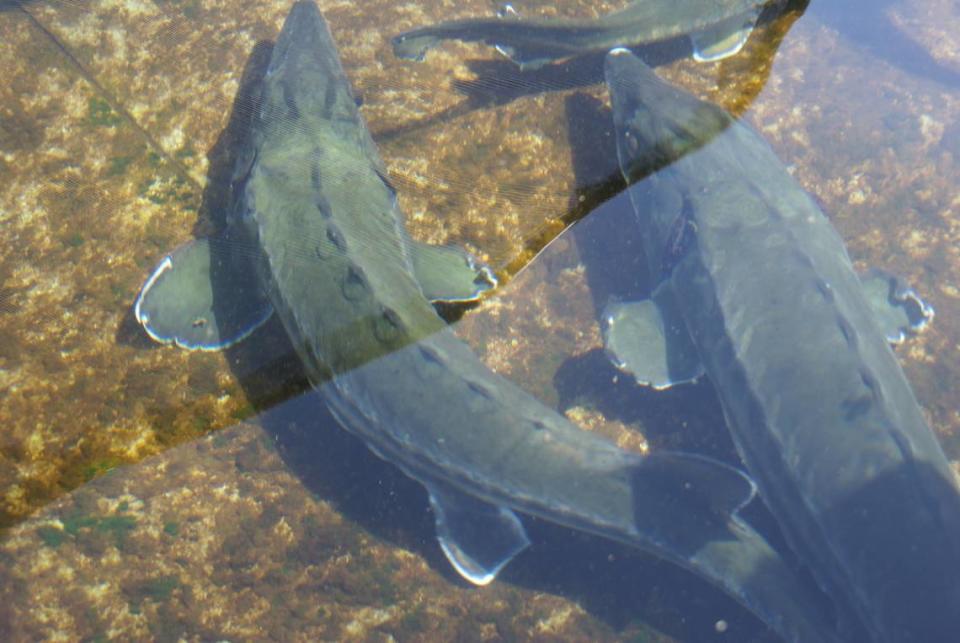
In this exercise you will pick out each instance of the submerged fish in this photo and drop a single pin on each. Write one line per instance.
(317, 235)
(757, 290)
(716, 28)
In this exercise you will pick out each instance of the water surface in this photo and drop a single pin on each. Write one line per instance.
(150, 492)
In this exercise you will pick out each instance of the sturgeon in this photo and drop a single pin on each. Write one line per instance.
(717, 29)
(757, 285)
(316, 237)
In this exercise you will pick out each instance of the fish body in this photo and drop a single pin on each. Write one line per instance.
(817, 403)
(717, 28)
(332, 260)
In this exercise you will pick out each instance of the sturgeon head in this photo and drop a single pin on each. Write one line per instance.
(335, 260)
(656, 124)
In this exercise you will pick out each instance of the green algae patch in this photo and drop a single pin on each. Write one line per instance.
(159, 589)
(91, 463)
(75, 240)
(416, 621)
(97, 469)
(76, 522)
(185, 153)
(118, 526)
(100, 114)
(243, 411)
(202, 424)
(52, 536)
(192, 9)
(155, 590)
(165, 190)
(118, 165)
(114, 528)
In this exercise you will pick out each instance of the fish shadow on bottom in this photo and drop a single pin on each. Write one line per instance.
(499, 81)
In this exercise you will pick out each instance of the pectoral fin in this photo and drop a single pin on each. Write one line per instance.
(724, 39)
(898, 309)
(202, 297)
(649, 340)
(477, 537)
(450, 274)
(706, 488)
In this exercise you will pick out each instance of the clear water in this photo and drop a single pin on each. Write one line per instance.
(147, 492)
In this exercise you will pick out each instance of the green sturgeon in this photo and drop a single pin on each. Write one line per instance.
(316, 237)
(716, 28)
(757, 291)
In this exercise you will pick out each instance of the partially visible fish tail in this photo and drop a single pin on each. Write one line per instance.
(692, 502)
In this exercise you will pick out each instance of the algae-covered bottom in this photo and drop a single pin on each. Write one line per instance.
(116, 131)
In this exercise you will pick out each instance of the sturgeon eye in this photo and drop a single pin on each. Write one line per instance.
(633, 146)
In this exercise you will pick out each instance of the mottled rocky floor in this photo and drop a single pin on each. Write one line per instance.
(115, 140)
